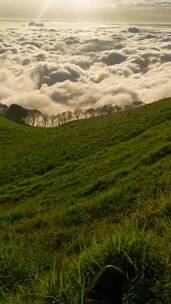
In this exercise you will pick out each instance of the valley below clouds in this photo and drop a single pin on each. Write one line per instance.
(54, 67)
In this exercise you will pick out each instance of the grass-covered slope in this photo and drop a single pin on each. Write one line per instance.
(75, 198)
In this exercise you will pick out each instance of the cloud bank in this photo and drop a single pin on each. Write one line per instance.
(60, 66)
(152, 3)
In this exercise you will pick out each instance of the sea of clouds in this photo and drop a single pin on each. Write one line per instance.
(58, 66)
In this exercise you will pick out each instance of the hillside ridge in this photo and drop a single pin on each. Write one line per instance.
(89, 193)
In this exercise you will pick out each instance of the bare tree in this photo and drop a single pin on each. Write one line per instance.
(117, 108)
(64, 117)
(91, 112)
(45, 121)
(60, 119)
(52, 119)
(77, 113)
(69, 116)
(108, 109)
(29, 120)
(137, 104)
(85, 113)
(99, 111)
(55, 120)
(34, 118)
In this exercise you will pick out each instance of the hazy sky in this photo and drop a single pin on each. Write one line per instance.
(128, 10)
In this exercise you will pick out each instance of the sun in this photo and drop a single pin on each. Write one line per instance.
(72, 5)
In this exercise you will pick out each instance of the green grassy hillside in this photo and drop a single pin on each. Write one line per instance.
(75, 198)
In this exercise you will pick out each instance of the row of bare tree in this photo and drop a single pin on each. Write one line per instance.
(37, 119)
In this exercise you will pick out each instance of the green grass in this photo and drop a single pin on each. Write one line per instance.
(76, 198)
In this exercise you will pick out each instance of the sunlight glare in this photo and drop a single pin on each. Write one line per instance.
(81, 4)
(72, 5)
(44, 9)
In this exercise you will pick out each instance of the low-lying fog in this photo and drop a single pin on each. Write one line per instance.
(57, 66)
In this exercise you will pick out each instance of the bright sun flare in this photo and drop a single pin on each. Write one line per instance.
(67, 4)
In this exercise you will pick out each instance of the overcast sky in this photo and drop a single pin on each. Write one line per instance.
(135, 10)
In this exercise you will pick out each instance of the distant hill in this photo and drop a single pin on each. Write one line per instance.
(75, 198)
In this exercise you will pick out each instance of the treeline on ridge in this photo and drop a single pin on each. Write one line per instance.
(36, 118)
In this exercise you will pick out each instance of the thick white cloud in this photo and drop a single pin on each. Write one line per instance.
(51, 73)
(60, 66)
